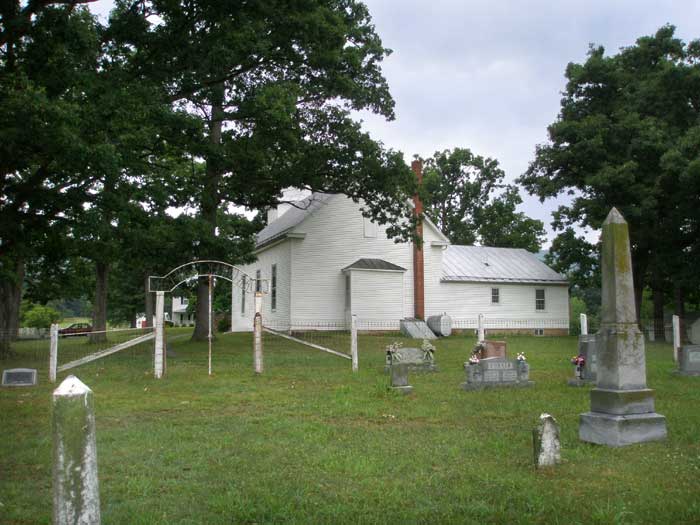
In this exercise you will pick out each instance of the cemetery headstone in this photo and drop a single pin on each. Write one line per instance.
(399, 378)
(694, 334)
(622, 407)
(76, 495)
(19, 377)
(496, 372)
(416, 359)
(586, 374)
(689, 360)
(546, 443)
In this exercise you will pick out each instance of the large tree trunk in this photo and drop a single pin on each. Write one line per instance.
(99, 312)
(679, 309)
(209, 207)
(10, 299)
(657, 294)
(149, 306)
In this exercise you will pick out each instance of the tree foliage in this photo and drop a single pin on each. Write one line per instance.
(628, 135)
(465, 196)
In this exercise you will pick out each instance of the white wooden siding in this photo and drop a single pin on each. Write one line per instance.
(278, 254)
(335, 238)
(377, 295)
(516, 302)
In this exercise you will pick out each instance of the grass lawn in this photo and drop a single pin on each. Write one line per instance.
(310, 442)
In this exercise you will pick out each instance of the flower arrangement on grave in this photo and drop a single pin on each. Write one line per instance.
(474, 359)
(580, 362)
(477, 350)
(428, 350)
(521, 357)
(392, 351)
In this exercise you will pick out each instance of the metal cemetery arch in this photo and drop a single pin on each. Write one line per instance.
(187, 272)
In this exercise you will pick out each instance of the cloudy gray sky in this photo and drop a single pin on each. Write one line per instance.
(488, 75)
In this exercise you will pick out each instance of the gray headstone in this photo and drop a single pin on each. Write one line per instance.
(399, 378)
(622, 407)
(497, 372)
(545, 440)
(19, 377)
(417, 359)
(694, 332)
(689, 360)
(587, 347)
(440, 324)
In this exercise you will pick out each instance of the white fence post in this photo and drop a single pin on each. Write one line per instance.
(76, 494)
(233, 287)
(584, 324)
(676, 337)
(257, 336)
(353, 342)
(158, 358)
(53, 353)
(482, 337)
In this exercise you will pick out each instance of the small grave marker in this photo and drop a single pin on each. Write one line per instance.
(689, 360)
(19, 377)
(399, 378)
(546, 443)
(496, 372)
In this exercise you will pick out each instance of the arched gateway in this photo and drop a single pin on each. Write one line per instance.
(193, 270)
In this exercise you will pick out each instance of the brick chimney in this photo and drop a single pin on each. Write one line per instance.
(418, 266)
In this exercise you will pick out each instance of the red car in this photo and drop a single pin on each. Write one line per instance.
(76, 329)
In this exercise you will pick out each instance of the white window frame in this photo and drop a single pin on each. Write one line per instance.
(258, 280)
(243, 285)
(497, 296)
(273, 287)
(543, 299)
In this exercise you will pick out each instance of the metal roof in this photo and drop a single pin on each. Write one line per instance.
(505, 265)
(291, 218)
(374, 264)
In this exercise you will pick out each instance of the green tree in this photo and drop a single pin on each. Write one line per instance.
(41, 317)
(627, 136)
(465, 196)
(48, 148)
(272, 84)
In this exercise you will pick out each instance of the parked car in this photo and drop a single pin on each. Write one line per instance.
(75, 329)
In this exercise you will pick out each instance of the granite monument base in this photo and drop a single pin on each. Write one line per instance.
(617, 431)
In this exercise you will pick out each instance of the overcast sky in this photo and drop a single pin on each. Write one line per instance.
(488, 75)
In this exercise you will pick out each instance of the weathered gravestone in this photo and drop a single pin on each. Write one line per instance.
(399, 378)
(587, 374)
(545, 441)
(76, 494)
(496, 372)
(440, 324)
(689, 360)
(19, 377)
(622, 407)
(416, 359)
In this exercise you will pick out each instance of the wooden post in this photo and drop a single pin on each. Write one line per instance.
(210, 324)
(257, 335)
(584, 324)
(232, 301)
(159, 351)
(482, 337)
(53, 353)
(676, 336)
(353, 343)
(76, 495)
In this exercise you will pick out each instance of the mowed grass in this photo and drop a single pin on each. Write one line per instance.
(310, 442)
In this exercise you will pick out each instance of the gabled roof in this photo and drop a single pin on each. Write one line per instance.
(504, 265)
(374, 264)
(293, 217)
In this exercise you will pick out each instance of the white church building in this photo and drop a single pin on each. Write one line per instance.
(323, 262)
